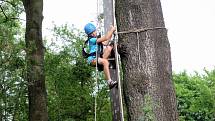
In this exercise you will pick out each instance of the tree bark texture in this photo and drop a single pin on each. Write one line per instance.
(35, 60)
(146, 60)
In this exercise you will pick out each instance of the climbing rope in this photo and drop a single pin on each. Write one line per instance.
(140, 30)
(117, 57)
(96, 87)
(118, 78)
(137, 31)
(95, 108)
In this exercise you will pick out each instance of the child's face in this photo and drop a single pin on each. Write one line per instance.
(94, 33)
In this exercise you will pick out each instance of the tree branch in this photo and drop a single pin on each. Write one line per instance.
(18, 19)
(6, 17)
(3, 13)
(14, 5)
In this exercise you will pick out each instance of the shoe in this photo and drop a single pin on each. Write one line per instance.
(112, 84)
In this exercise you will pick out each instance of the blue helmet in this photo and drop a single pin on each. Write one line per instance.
(89, 28)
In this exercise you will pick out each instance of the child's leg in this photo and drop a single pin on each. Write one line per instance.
(105, 64)
(107, 52)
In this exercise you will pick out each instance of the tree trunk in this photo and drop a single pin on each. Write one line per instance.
(146, 60)
(35, 60)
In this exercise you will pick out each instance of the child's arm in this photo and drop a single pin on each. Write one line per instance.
(107, 36)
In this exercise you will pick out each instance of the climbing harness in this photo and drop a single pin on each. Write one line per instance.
(86, 54)
(97, 54)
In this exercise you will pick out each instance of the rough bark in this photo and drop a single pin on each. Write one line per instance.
(35, 60)
(146, 59)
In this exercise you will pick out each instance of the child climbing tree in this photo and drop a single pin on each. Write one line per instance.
(146, 60)
(35, 60)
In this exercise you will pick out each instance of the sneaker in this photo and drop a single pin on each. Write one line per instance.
(112, 84)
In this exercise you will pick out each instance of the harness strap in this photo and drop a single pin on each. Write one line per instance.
(92, 54)
(98, 53)
(99, 48)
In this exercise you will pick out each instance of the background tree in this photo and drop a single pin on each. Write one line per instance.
(35, 60)
(146, 60)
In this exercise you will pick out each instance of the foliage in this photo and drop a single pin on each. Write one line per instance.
(148, 109)
(10, 11)
(195, 96)
(13, 90)
(13, 97)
